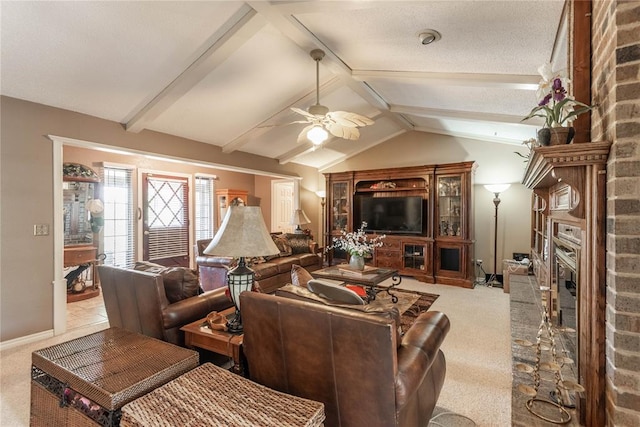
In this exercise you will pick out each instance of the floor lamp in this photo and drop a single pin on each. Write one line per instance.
(322, 194)
(496, 189)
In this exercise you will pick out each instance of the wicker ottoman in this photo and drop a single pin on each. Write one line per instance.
(86, 381)
(212, 396)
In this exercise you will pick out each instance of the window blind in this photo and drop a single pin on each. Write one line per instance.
(204, 228)
(119, 217)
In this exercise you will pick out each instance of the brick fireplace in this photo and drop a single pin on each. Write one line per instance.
(615, 77)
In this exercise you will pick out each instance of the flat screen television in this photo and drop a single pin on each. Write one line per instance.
(390, 215)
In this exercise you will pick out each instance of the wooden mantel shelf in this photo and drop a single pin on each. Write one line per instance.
(549, 165)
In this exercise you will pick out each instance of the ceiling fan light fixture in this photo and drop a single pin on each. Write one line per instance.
(317, 135)
(429, 36)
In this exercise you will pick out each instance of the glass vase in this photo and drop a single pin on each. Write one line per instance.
(356, 262)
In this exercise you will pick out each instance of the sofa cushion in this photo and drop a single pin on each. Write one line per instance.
(266, 269)
(179, 282)
(307, 259)
(300, 276)
(284, 264)
(299, 243)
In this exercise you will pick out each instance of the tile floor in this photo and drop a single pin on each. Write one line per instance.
(86, 312)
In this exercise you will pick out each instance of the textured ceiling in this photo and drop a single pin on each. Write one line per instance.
(227, 73)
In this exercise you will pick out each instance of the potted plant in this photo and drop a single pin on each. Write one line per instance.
(358, 245)
(556, 108)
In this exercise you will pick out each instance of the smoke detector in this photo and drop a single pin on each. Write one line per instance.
(429, 36)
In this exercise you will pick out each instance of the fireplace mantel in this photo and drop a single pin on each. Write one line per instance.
(569, 183)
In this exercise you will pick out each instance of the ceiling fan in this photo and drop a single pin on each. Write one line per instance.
(341, 124)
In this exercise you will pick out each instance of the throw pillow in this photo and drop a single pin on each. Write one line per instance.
(334, 292)
(282, 244)
(299, 243)
(300, 276)
(179, 282)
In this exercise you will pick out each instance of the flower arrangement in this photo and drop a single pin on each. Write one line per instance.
(555, 106)
(357, 242)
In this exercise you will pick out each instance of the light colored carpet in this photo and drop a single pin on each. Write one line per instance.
(477, 350)
(478, 354)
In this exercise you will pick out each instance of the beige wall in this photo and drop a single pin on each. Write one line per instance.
(496, 163)
(27, 263)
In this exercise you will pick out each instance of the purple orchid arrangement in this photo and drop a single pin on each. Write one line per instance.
(555, 106)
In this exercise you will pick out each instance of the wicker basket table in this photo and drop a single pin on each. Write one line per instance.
(85, 381)
(212, 396)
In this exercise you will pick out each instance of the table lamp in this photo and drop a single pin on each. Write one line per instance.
(299, 218)
(242, 233)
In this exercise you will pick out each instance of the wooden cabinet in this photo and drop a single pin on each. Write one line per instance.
(83, 219)
(453, 242)
(339, 198)
(224, 198)
(404, 204)
(568, 255)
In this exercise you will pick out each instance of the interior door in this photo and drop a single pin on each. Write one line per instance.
(165, 219)
(282, 203)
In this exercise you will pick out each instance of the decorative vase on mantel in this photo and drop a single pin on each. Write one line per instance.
(356, 262)
(555, 135)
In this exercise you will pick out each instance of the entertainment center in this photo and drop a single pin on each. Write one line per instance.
(424, 211)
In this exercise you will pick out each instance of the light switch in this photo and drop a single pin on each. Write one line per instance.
(41, 230)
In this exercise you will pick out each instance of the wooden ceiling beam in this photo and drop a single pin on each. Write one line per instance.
(241, 27)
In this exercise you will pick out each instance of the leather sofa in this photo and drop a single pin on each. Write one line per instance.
(351, 361)
(137, 301)
(271, 272)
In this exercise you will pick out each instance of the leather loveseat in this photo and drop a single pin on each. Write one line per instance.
(351, 361)
(271, 272)
(137, 301)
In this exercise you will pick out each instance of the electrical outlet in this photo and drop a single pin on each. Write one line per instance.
(478, 262)
(41, 230)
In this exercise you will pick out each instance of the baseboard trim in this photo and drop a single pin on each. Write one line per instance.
(27, 339)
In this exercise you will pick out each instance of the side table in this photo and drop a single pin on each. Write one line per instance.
(198, 335)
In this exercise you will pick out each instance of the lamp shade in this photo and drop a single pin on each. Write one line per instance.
(497, 188)
(321, 193)
(242, 233)
(299, 218)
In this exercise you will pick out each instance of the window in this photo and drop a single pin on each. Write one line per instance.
(204, 207)
(118, 233)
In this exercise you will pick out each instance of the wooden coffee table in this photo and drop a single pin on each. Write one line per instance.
(198, 335)
(370, 279)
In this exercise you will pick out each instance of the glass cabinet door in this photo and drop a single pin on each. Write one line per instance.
(449, 206)
(339, 206)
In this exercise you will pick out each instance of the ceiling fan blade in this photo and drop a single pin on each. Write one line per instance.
(304, 113)
(348, 119)
(302, 137)
(345, 132)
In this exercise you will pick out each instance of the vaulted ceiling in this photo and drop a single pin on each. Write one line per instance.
(227, 72)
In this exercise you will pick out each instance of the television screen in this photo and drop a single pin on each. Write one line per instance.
(392, 215)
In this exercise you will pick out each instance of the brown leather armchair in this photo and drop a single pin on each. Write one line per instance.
(349, 360)
(136, 301)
